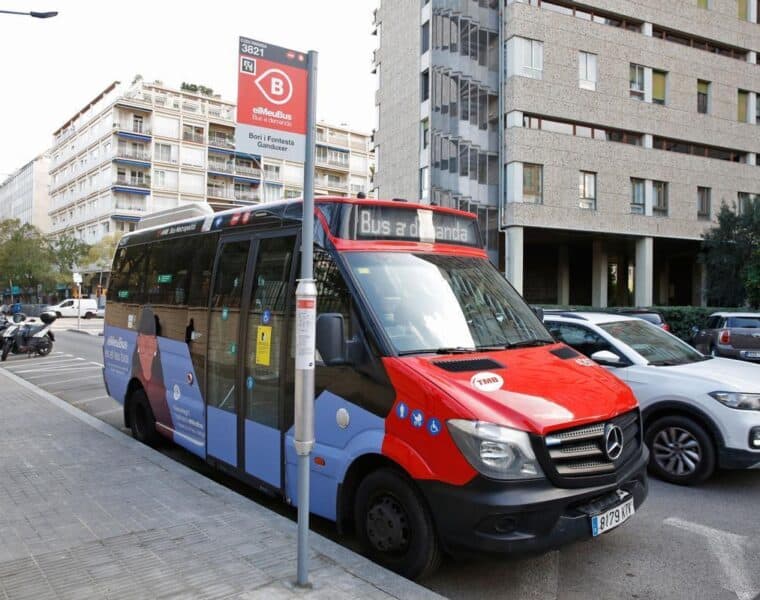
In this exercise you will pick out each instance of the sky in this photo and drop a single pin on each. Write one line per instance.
(50, 68)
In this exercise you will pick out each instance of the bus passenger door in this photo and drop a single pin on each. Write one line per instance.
(230, 289)
(266, 357)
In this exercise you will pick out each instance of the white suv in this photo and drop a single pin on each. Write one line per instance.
(698, 412)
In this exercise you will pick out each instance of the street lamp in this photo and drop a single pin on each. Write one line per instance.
(35, 14)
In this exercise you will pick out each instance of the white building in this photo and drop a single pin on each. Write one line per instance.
(145, 147)
(24, 194)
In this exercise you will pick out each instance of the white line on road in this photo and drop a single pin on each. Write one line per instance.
(86, 400)
(98, 376)
(58, 361)
(52, 371)
(730, 551)
(107, 412)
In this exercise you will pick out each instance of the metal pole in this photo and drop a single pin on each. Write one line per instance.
(79, 303)
(306, 318)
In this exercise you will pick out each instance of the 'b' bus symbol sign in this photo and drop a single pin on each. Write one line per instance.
(275, 85)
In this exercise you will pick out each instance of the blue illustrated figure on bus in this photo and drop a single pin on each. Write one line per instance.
(146, 365)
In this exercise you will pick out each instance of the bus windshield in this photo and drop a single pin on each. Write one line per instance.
(439, 303)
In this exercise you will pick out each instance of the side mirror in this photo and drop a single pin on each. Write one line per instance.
(605, 357)
(539, 312)
(331, 340)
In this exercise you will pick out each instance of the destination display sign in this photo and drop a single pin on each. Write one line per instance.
(413, 225)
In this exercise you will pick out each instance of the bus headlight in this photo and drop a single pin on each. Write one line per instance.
(738, 400)
(495, 451)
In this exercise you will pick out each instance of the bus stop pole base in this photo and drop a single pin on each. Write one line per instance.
(302, 579)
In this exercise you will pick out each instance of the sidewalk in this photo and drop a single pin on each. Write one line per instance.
(87, 512)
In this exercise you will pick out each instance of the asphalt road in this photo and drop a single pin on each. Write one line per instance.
(683, 543)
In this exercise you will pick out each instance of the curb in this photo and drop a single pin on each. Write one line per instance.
(353, 563)
(84, 332)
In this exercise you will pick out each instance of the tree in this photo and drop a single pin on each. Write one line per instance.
(732, 259)
(68, 252)
(100, 255)
(25, 257)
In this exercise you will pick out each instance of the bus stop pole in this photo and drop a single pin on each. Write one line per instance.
(306, 317)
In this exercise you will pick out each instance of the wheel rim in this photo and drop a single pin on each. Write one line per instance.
(677, 451)
(388, 525)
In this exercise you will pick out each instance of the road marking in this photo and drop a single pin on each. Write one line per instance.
(85, 400)
(730, 550)
(37, 360)
(107, 412)
(98, 376)
(56, 370)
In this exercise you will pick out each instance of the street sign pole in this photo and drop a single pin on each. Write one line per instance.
(306, 322)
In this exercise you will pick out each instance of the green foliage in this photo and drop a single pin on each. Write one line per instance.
(197, 89)
(100, 255)
(25, 256)
(731, 258)
(67, 252)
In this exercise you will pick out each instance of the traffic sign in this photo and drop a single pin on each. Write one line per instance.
(76, 277)
(272, 101)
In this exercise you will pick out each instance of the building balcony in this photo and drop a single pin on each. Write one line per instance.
(132, 154)
(331, 184)
(221, 166)
(221, 141)
(244, 171)
(332, 137)
(272, 176)
(221, 114)
(138, 182)
(327, 163)
(247, 196)
(193, 137)
(218, 192)
(140, 129)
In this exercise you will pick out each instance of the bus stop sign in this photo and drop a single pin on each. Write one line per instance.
(272, 101)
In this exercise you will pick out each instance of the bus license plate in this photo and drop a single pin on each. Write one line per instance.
(611, 518)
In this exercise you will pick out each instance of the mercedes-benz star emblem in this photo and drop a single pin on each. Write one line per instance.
(613, 441)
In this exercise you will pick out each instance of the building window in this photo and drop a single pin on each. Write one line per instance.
(425, 85)
(425, 36)
(533, 183)
(757, 106)
(742, 112)
(637, 196)
(703, 4)
(587, 70)
(660, 198)
(703, 202)
(137, 124)
(659, 80)
(637, 82)
(425, 133)
(587, 190)
(743, 10)
(747, 202)
(703, 97)
(528, 57)
(424, 183)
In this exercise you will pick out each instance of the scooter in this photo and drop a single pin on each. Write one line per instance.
(29, 335)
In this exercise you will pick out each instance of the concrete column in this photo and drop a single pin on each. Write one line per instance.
(751, 111)
(644, 271)
(514, 258)
(752, 57)
(514, 119)
(563, 276)
(752, 159)
(752, 12)
(646, 29)
(515, 182)
(648, 141)
(648, 84)
(599, 275)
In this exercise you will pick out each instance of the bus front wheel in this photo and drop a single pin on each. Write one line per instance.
(141, 419)
(394, 526)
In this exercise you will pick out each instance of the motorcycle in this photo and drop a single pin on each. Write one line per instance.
(29, 335)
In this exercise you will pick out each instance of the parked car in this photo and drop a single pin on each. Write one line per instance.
(730, 334)
(653, 316)
(86, 307)
(698, 412)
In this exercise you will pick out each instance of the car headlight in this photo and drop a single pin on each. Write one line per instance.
(495, 451)
(738, 400)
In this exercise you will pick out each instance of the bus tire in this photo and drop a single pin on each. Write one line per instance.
(394, 525)
(141, 419)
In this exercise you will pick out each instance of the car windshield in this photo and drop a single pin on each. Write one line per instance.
(654, 344)
(744, 322)
(438, 303)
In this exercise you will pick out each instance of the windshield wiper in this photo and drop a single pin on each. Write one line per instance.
(443, 350)
(666, 363)
(530, 343)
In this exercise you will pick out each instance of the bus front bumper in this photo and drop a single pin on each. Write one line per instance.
(531, 517)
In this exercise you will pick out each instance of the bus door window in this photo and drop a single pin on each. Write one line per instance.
(224, 320)
(266, 324)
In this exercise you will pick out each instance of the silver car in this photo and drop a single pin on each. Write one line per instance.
(731, 335)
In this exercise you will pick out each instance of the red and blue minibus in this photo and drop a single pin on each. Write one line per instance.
(447, 419)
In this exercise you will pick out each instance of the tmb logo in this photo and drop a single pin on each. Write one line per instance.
(275, 85)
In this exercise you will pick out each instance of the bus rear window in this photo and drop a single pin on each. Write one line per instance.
(379, 222)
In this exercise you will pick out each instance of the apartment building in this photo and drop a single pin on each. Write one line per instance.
(596, 141)
(144, 147)
(24, 194)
